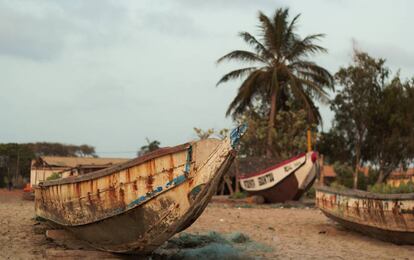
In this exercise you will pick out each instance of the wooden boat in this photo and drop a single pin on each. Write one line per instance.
(285, 181)
(136, 206)
(388, 217)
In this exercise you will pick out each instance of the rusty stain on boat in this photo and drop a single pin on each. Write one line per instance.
(136, 206)
(384, 216)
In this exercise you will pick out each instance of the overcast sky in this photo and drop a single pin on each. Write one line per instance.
(111, 73)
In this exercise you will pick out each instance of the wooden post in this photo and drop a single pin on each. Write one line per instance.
(228, 182)
(236, 165)
(309, 135)
(322, 172)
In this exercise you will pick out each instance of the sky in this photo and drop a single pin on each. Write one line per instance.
(113, 73)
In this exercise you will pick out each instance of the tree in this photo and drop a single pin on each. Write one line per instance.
(150, 147)
(279, 70)
(15, 161)
(289, 138)
(86, 150)
(361, 84)
(59, 149)
(390, 143)
(335, 148)
(205, 134)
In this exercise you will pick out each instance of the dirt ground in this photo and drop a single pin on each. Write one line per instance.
(289, 233)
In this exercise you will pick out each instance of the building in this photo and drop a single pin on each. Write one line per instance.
(328, 174)
(43, 167)
(400, 176)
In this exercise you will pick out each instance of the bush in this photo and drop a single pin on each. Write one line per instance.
(338, 186)
(344, 174)
(311, 193)
(54, 176)
(389, 189)
(345, 177)
(239, 195)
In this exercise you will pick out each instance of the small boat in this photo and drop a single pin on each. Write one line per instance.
(388, 217)
(285, 181)
(134, 207)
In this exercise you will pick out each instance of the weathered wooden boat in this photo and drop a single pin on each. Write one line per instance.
(134, 207)
(388, 217)
(285, 181)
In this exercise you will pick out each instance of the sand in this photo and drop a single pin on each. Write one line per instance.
(288, 233)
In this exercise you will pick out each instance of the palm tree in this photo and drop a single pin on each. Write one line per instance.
(278, 68)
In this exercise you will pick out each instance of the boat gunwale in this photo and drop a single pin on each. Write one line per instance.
(365, 194)
(116, 168)
(338, 218)
(278, 165)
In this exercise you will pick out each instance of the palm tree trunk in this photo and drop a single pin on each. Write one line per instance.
(271, 124)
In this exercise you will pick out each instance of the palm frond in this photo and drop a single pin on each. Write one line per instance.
(251, 86)
(310, 75)
(305, 47)
(268, 33)
(290, 31)
(316, 90)
(312, 67)
(298, 90)
(240, 55)
(280, 23)
(312, 110)
(258, 46)
(235, 74)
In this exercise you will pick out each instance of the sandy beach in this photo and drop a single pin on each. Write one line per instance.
(287, 233)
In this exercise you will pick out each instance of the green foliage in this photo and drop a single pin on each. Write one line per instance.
(54, 176)
(344, 174)
(205, 134)
(361, 84)
(374, 119)
(15, 159)
(333, 146)
(278, 71)
(59, 149)
(390, 143)
(336, 185)
(289, 138)
(239, 195)
(389, 189)
(150, 147)
(281, 65)
(311, 193)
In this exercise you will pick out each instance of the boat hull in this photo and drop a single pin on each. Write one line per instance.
(135, 207)
(291, 185)
(388, 217)
(147, 228)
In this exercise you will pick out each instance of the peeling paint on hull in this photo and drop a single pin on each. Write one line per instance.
(137, 206)
(388, 217)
